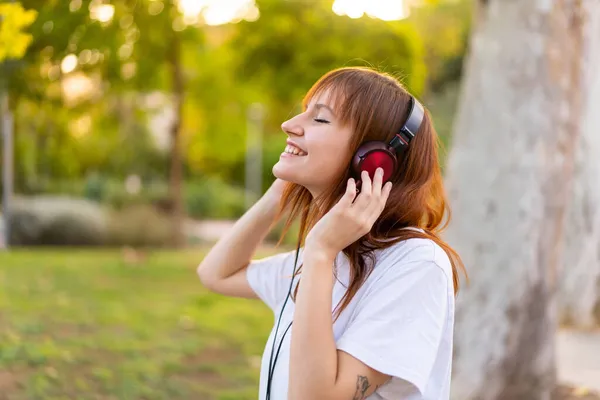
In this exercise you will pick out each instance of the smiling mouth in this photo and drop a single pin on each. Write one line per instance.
(294, 151)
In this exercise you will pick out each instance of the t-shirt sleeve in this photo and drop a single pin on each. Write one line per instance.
(398, 326)
(270, 277)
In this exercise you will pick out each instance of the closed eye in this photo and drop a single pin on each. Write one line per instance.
(321, 121)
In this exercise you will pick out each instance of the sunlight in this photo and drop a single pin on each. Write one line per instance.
(218, 12)
(76, 87)
(102, 12)
(387, 10)
(69, 63)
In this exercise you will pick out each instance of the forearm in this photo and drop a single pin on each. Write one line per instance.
(234, 250)
(313, 353)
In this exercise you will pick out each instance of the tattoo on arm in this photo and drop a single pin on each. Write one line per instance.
(362, 384)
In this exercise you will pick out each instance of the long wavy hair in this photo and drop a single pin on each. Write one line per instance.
(376, 105)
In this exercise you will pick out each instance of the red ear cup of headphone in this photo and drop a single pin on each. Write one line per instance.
(372, 155)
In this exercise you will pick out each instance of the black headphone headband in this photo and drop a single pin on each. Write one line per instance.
(411, 127)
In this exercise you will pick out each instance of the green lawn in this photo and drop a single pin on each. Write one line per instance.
(87, 324)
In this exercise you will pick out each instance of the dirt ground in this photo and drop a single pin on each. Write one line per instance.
(572, 393)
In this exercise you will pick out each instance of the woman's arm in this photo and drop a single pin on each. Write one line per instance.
(317, 369)
(223, 268)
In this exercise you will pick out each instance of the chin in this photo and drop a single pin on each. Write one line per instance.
(289, 175)
(281, 172)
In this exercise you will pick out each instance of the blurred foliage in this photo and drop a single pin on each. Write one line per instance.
(13, 41)
(213, 198)
(444, 27)
(206, 197)
(443, 106)
(94, 117)
(292, 45)
(116, 52)
(291, 236)
(139, 226)
(69, 221)
(108, 112)
(52, 220)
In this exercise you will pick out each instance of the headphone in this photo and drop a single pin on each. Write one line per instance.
(369, 156)
(374, 154)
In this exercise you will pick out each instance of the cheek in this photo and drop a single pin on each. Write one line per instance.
(328, 158)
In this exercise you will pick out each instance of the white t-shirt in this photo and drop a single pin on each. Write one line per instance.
(400, 322)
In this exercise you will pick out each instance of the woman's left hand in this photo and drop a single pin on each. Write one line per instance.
(349, 220)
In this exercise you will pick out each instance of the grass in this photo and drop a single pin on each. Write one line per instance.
(107, 325)
(82, 324)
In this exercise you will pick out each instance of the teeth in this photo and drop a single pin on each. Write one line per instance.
(294, 150)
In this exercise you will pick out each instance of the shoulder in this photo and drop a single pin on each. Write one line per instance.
(413, 256)
(275, 264)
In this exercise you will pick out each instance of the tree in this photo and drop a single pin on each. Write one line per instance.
(510, 174)
(13, 44)
(579, 300)
(134, 51)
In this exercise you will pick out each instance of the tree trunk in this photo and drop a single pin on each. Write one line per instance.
(175, 181)
(579, 300)
(508, 175)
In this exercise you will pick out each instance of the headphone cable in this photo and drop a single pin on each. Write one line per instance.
(272, 361)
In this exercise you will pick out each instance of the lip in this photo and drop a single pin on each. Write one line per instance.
(292, 143)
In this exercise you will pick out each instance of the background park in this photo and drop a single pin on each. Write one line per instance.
(135, 132)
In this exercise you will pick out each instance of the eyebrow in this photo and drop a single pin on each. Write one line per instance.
(318, 106)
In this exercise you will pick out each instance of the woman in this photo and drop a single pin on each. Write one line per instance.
(371, 291)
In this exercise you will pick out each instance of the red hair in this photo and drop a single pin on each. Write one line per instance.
(376, 105)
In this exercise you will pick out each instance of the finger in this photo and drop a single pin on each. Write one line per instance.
(385, 193)
(366, 182)
(349, 195)
(358, 184)
(386, 190)
(376, 211)
(377, 182)
(364, 197)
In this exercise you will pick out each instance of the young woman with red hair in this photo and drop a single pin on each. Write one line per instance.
(364, 307)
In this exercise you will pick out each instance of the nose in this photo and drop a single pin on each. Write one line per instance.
(293, 127)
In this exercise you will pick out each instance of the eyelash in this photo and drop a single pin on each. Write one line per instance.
(321, 121)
